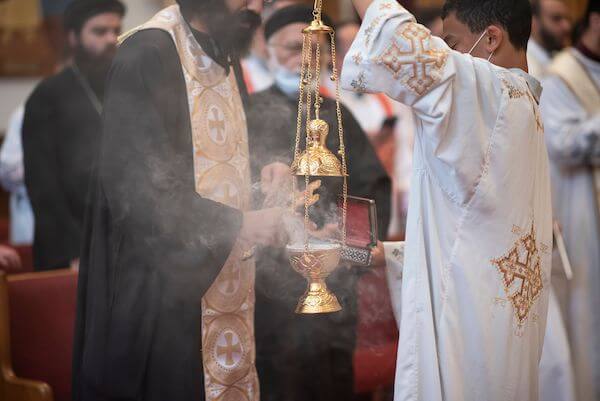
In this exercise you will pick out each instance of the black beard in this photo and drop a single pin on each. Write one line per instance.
(233, 31)
(549, 41)
(95, 67)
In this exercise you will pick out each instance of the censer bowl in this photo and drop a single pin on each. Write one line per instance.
(315, 265)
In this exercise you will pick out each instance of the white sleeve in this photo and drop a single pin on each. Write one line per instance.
(572, 137)
(455, 97)
(394, 258)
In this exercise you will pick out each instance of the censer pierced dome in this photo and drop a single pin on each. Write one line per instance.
(317, 160)
(316, 261)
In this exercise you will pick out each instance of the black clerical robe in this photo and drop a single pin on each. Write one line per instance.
(308, 357)
(61, 136)
(152, 245)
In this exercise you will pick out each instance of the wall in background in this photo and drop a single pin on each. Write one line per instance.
(14, 91)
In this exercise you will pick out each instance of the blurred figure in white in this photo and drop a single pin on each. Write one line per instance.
(12, 180)
(551, 29)
(257, 76)
(571, 112)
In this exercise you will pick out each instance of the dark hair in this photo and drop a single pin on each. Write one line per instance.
(512, 15)
(535, 8)
(194, 7)
(427, 15)
(592, 8)
(79, 11)
(584, 23)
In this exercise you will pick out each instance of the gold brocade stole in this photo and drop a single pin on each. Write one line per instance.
(222, 174)
(575, 76)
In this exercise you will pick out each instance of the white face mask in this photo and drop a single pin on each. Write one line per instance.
(286, 80)
(477, 42)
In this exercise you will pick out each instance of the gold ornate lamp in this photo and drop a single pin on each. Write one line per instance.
(317, 261)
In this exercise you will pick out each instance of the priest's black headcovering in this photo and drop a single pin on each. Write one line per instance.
(290, 15)
(79, 11)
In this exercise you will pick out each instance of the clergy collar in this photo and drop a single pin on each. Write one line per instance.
(212, 48)
(534, 84)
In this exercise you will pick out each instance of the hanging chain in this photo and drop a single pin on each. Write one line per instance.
(318, 79)
(308, 105)
(342, 150)
(313, 82)
(299, 121)
(309, 79)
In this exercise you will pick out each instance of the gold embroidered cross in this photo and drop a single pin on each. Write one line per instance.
(230, 348)
(229, 195)
(420, 62)
(521, 274)
(217, 124)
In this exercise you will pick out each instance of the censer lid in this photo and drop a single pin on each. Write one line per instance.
(317, 26)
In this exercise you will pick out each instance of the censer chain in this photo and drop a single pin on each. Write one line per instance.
(342, 150)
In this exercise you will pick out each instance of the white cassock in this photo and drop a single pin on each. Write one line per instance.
(538, 59)
(573, 139)
(557, 382)
(479, 234)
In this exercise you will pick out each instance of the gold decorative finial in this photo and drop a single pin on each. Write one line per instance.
(317, 160)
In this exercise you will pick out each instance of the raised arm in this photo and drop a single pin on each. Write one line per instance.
(395, 55)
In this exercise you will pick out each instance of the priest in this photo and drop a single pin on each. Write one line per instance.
(166, 285)
(474, 289)
(61, 132)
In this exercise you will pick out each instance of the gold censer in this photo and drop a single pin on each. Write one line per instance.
(316, 261)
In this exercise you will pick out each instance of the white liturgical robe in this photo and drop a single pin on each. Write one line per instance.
(479, 233)
(557, 382)
(573, 138)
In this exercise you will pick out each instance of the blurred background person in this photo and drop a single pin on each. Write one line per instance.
(257, 76)
(570, 108)
(62, 130)
(551, 29)
(305, 357)
(12, 180)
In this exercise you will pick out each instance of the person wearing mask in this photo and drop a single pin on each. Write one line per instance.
(476, 265)
(305, 357)
(62, 130)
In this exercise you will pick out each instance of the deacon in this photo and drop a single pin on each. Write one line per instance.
(166, 285)
(62, 129)
(305, 357)
(571, 111)
(551, 30)
(474, 289)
